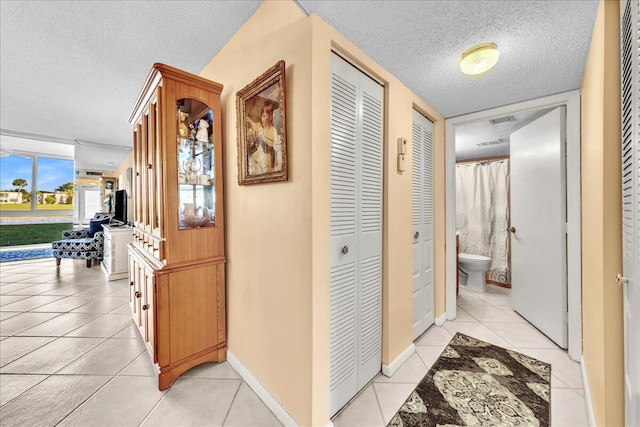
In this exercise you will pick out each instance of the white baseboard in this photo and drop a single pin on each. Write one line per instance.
(587, 393)
(439, 321)
(392, 367)
(262, 392)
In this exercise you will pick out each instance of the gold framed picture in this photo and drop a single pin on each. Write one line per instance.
(262, 137)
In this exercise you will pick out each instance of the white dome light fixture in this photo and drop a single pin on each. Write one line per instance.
(479, 59)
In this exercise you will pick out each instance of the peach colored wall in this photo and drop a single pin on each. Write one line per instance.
(601, 220)
(277, 235)
(121, 171)
(268, 231)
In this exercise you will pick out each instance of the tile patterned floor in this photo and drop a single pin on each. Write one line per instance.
(489, 317)
(70, 356)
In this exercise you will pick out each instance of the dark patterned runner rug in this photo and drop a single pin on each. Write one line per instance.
(474, 383)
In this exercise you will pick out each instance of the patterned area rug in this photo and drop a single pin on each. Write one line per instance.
(474, 383)
(22, 254)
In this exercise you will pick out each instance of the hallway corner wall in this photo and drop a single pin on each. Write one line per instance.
(268, 226)
(601, 219)
(278, 283)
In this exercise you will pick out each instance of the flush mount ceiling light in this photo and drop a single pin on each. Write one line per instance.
(479, 59)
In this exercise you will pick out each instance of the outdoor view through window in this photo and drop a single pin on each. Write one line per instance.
(36, 199)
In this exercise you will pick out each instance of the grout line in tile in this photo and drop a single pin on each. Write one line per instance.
(15, 397)
(82, 355)
(87, 398)
(224, 420)
(375, 392)
(49, 342)
(32, 326)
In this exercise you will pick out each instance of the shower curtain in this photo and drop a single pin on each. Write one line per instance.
(482, 214)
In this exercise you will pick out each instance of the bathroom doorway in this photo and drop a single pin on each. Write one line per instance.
(491, 148)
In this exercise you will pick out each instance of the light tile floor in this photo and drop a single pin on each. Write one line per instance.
(489, 317)
(69, 355)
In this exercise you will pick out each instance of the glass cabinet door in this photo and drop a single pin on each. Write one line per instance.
(196, 207)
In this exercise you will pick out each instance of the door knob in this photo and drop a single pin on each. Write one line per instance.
(415, 236)
(621, 279)
(345, 249)
(512, 229)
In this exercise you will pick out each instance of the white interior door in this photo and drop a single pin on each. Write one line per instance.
(356, 231)
(538, 215)
(87, 201)
(422, 218)
(631, 209)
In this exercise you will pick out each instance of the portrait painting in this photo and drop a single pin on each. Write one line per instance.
(262, 141)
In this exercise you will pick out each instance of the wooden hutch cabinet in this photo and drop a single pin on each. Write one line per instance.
(176, 259)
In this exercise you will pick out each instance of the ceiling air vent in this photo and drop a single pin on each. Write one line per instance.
(84, 172)
(502, 120)
(499, 141)
(484, 144)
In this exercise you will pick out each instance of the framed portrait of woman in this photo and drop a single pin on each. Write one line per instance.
(262, 137)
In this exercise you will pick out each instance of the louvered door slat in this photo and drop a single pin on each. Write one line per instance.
(416, 178)
(343, 300)
(427, 164)
(356, 231)
(422, 220)
(370, 235)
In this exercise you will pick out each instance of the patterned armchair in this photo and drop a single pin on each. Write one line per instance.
(79, 244)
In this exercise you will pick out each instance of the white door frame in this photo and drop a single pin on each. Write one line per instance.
(574, 262)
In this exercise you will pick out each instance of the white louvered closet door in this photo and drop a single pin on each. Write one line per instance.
(422, 218)
(356, 231)
(630, 97)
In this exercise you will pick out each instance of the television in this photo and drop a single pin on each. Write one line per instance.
(120, 207)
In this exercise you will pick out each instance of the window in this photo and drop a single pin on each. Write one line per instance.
(15, 183)
(55, 184)
(33, 183)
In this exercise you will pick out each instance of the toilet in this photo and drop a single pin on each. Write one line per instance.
(472, 269)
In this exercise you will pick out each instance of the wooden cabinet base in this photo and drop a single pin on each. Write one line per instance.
(179, 311)
(168, 374)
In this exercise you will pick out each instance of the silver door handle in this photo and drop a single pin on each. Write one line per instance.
(345, 249)
(621, 279)
(415, 236)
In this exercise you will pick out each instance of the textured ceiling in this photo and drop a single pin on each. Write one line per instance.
(72, 70)
(543, 46)
(486, 139)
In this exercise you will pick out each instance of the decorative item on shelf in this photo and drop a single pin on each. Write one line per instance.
(203, 134)
(189, 171)
(262, 142)
(183, 130)
(192, 132)
(189, 209)
(195, 217)
(204, 179)
(196, 221)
